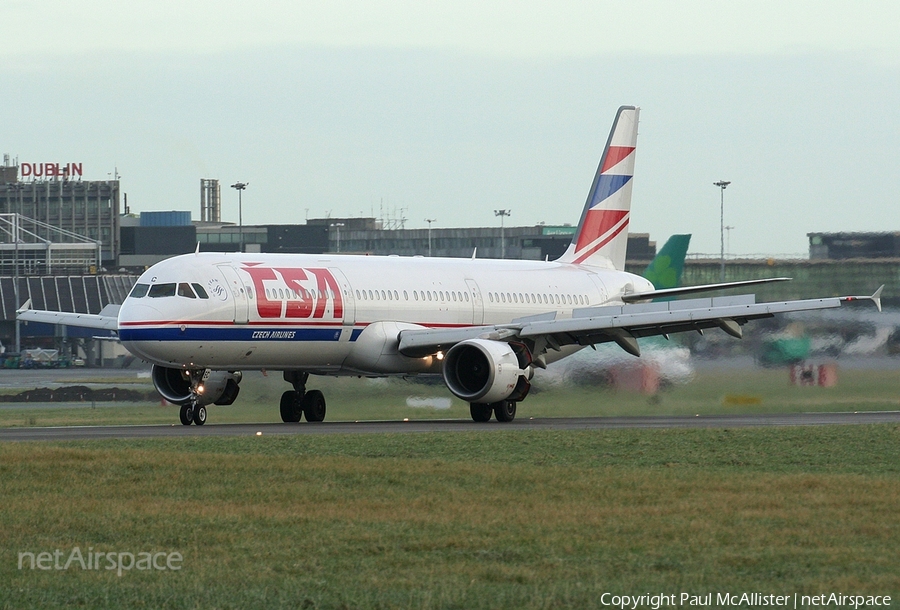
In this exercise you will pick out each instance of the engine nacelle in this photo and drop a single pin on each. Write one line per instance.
(182, 386)
(484, 371)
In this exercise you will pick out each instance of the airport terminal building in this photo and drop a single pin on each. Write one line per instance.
(65, 244)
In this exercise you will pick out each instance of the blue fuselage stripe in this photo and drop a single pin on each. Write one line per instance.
(234, 333)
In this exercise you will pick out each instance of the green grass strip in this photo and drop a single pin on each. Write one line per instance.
(512, 519)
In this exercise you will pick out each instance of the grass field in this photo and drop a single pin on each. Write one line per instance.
(744, 391)
(512, 519)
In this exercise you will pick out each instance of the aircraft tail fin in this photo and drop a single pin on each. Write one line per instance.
(665, 270)
(602, 234)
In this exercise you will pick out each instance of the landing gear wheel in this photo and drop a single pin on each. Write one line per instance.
(314, 406)
(480, 412)
(505, 410)
(200, 415)
(290, 407)
(187, 415)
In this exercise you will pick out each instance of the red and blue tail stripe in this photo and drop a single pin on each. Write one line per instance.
(602, 234)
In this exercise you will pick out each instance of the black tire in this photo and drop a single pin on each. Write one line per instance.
(505, 410)
(200, 415)
(290, 407)
(314, 406)
(480, 412)
(187, 415)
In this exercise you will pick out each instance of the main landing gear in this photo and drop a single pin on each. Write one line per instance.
(298, 402)
(193, 414)
(504, 411)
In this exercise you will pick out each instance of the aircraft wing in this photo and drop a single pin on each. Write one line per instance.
(107, 319)
(623, 324)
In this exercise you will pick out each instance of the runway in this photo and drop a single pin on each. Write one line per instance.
(457, 425)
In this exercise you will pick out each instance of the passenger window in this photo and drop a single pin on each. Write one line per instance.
(139, 291)
(161, 290)
(184, 290)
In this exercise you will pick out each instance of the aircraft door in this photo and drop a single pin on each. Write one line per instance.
(238, 291)
(601, 289)
(477, 302)
(346, 295)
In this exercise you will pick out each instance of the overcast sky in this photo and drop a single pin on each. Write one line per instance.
(450, 110)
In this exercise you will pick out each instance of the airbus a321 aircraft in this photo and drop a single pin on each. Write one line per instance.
(484, 325)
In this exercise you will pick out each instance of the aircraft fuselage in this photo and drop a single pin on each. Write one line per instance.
(336, 314)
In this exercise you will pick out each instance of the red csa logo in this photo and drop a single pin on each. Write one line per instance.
(310, 292)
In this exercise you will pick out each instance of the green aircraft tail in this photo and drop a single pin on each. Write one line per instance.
(665, 270)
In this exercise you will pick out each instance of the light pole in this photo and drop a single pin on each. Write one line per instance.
(240, 186)
(16, 281)
(502, 214)
(429, 221)
(728, 240)
(722, 184)
(338, 225)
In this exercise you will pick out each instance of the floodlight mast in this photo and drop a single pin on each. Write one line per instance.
(502, 214)
(722, 184)
(240, 186)
(429, 221)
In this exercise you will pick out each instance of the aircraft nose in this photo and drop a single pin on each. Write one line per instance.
(132, 312)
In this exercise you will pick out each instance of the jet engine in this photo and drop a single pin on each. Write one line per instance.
(182, 386)
(485, 371)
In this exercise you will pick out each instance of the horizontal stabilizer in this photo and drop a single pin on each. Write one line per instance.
(634, 297)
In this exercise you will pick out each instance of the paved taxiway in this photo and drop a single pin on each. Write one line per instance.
(386, 427)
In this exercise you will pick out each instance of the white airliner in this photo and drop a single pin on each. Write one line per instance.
(484, 325)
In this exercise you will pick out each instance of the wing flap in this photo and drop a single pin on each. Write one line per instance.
(673, 316)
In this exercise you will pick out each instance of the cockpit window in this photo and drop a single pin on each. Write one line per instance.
(200, 291)
(161, 290)
(184, 290)
(139, 290)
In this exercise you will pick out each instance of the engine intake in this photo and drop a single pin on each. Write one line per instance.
(484, 371)
(182, 386)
